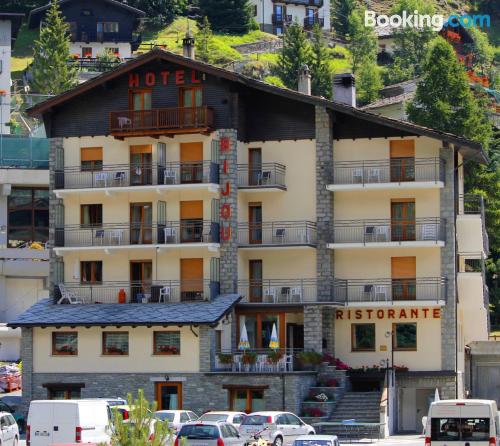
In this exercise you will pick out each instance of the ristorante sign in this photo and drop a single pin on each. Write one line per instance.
(389, 313)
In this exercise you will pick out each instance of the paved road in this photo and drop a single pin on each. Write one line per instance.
(401, 440)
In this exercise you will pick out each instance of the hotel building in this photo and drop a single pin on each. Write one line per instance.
(188, 202)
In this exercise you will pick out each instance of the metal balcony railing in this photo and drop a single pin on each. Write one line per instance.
(309, 22)
(277, 233)
(261, 360)
(317, 3)
(382, 231)
(157, 119)
(400, 170)
(389, 290)
(158, 291)
(18, 152)
(473, 204)
(128, 234)
(263, 176)
(126, 175)
(278, 291)
(281, 19)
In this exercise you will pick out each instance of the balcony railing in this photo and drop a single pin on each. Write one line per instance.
(317, 3)
(383, 231)
(473, 204)
(277, 233)
(284, 360)
(400, 170)
(126, 175)
(127, 234)
(281, 19)
(263, 176)
(389, 290)
(95, 64)
(17, 152)
(309, 22)
(158, 291)
(94, 36)
(278, 291)
(158, 120)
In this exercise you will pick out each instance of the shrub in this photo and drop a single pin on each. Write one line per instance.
(225, 358)
(249, 358)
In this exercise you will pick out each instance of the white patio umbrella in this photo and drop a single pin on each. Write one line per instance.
(244, 344)
(274, 342)
(436, 395)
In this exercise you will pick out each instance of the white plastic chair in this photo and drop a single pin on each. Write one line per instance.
(102, 177)
(164, 294)
(170, 233)
(261, 364)
(429, 231)
(279, 235)
(266, 177)
(237, 362)
(116, 236)
(99, 235)
(382, 233)
(67, 295)
(357, 175)
(381, 291)
(270, 293)
(374, 175)
(296, 294)
(119, 177)
(169, 176)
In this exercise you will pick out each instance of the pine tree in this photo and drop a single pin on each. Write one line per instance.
(362, 40)
(204, 41)
(340, 12)
(369, 82)
(295, 53)
(161, 12)
(444, 100)
(51, 72)
(231, 16)
(321, 73)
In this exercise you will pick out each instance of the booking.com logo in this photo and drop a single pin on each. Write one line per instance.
(416, 20)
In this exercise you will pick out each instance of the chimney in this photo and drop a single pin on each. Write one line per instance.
(304, 80)
(344, 89)
(188, 46)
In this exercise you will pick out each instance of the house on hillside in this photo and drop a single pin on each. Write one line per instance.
(97, 25)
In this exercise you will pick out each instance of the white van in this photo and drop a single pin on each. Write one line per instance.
(68, 421)
(462, 423)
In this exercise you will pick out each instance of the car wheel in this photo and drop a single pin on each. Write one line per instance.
(278, 441)
(311, 433)
(15, 442)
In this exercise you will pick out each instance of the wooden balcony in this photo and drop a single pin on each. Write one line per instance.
(161, 121)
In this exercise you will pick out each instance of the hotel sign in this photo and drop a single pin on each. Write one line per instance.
(389, 313)
(178, 77)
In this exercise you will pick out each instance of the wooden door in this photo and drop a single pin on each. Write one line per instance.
(191, 279)
(141, 223)
(141, 276)
(402, 160)
(255, 274)
(191, 221)
(254, 166)
(140, 108)
(404, 273)
(141, 165)
(192, 162)
(403, 220)
(255, 223)
(190, 101)
(169, 396)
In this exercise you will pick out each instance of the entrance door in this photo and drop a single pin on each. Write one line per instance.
(424, 399)
(191, 98)
(294, 336)
(191, 279)
(255, 274)
(141, 276)
(408, 409)
(191, 162)
(402, 160)
(254, 167)
(141, 165)
(403, 220)
(169, 396)
(404, 272)
(191, 221)
(141, 223)
(255, 223)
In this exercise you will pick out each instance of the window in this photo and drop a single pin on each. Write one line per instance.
(114, 343)
(87, 12)
(63, 392)
(87, 51)
(405, 336)
(91, 214)
(91, 158)
(28, 218)
(107, 27)
(460, 429)
(246, 400)
(139, 100)
(167, 343)
(254, 10)
(184, 417)
(363, 337)
(91, 271)
(65, 343)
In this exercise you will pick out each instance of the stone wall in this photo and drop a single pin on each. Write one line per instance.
(444, 383)
(27, 358)
(313, 328)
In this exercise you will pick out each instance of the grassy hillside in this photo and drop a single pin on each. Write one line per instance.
(22, 53)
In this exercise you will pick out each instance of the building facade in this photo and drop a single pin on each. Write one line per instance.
(97, 26)
(221, 204)
(273, 16)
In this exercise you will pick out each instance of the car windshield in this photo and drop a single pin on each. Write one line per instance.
(199, 431)
(164, 416)
(312, 443)
(213, 417)
(255, 420)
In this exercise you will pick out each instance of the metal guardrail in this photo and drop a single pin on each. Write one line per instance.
(473, 204)
(278, 291)
(126, 175)
(309, 22)
(317, 3)
(18, 152)
(277, 233)
(380, 231)
(126, 234)
(397, 170)
(261, 176)
(256, 360)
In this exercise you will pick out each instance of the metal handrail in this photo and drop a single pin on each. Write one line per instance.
(284, 233)
(277, 291)
(262, 175)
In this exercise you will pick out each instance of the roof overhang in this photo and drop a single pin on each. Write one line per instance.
(16, 20)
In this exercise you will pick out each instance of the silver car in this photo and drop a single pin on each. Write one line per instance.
(209, 433)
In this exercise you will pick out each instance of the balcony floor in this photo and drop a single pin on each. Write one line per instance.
(253, 189)
(371, 245)
(273, 247)
(159, 132)
(212, 247)
(385, 186)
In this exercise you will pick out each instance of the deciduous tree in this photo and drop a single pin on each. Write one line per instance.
(231, 16)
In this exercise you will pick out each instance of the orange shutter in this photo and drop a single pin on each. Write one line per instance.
(145, 148)
(191, 210)
(91, 153)
(402, 148)
(191, 274)
(191, 151)
(403, 267)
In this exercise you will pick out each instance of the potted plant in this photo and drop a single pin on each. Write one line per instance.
(274, 357)
(309, 360)
(225, 358)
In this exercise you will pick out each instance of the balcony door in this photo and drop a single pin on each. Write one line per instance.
(169, 396)
(191, 162)
(402, 160)
(255, 274)
(403, 220)
(141, 165)
(254, 166)
(255, 223)
(403, 273)
(191, 279)
(140, 108)
(191, 221)
(141, 276)
(279, 13)
(191, 98)
(141, 223)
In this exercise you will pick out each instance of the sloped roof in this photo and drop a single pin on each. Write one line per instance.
(475, 148)
(384, 102)
(47, 314)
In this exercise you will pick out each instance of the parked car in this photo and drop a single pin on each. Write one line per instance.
(316, 440)
(235, 418)
(9, 432)
(11, 405)
(279, 428)
(68, 421)
(176, 418)
(209, 433)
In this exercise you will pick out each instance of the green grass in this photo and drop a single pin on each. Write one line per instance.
(22, 53)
